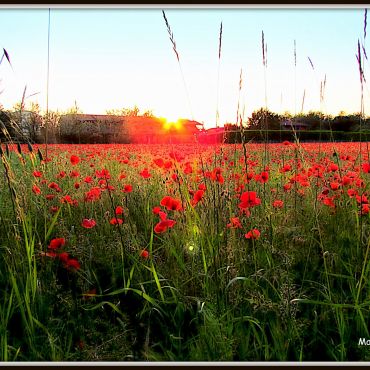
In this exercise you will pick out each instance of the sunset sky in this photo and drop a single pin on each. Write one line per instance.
(110, 58)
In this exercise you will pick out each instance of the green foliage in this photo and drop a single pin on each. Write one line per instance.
(129, 112)
(205, 292)
(265, 125)
(263, 119)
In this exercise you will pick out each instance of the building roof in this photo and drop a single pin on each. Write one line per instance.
(294, 123)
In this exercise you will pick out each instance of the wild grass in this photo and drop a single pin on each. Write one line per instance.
(205, 292)
(202, 290)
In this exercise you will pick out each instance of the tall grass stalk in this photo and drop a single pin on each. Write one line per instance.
(362, 82)
(266, 125)
(174, 47)
(295, 78)
(47, 88)
(218, 77)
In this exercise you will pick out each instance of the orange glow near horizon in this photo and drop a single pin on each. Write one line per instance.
(172, 124)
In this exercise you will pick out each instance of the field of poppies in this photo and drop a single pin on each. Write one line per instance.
(248, 252)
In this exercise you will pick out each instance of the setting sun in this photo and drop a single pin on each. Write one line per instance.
(172, 124)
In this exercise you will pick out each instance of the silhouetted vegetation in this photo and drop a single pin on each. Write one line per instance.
(312, 126)
(263, 125)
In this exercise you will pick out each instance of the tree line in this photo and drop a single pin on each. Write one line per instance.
(262, 125)
(312, 126)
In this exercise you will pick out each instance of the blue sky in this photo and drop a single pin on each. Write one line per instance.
(107, 58)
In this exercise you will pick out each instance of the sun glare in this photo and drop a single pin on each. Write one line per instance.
(171, 124)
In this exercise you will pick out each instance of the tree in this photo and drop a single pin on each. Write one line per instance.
(233, 133)
(35, 122)
(148, 113)
(263, 119)
(346, 122)
(75, 109)
(315, 120)
(129, 112)
(51, 123)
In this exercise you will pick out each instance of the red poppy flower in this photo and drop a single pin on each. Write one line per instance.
(250, 175)
(188, 169)
(198, 195)
(162, 215)
(286, 168)
(88, 223)
(167, 165)
(159, 162)
(360, 183)
(102, 183)
(365, 209)
(264, 177)
(116, 221)
(333, 167)
(171, 203)
(67, 199)
(176, 156)
(145, 173)
(57, 243)
(352, 193)
(366, 167)
(103, 174)
(119, 210)
(249, 199)
(74, 174)
(329, 201)
(174, 177)
(63, 256)
(278, 203)
(216, 175)
(156, 210)
(362, 199)
(61, 175)
(73, 264)
(325, 192)
(144, 254)
(235, 223)
(74, 160)
(36, 190)
(92, 194)
(46, 160)
(202, 187)
(55, 186)
(253, 234)
(54, 209)
(127, 189)
(334, 185)
(346, 180)
(163, 225)
(37, 173)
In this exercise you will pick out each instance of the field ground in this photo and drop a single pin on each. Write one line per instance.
(187, 253)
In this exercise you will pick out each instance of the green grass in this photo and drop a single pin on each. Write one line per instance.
(205, 293)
